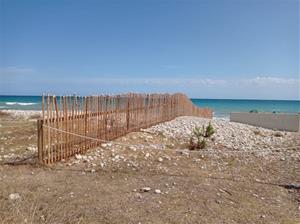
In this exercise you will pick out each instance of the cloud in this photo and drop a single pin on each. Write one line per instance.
(9, 71)
(269, 80)
(154, 81)
(192, 82)
(256, 87)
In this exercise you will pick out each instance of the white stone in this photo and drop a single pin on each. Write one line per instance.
(78, 156)
(14, 196)
(145, 189)
(157, 191)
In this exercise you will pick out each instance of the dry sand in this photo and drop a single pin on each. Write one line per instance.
(245, 175)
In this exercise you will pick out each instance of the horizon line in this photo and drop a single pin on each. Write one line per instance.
(192, 98)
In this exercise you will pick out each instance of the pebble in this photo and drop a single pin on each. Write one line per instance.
(145, 189)
(157, 191)
(14, 196)
(160, 159)
(185, 153)
(78, 156)
(228, 134)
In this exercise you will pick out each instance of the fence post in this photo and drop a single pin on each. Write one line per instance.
(114, 116)
(127, 114)
(40, 143)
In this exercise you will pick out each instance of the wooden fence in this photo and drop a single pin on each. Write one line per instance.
(73, 124)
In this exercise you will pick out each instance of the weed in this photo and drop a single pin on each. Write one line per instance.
(198, 139)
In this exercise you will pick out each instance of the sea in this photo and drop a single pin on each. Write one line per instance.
(221, 107)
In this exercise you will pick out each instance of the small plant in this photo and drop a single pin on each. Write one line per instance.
(209, 130)
(199, 137)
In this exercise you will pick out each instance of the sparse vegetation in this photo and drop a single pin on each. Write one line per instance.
(199, 137)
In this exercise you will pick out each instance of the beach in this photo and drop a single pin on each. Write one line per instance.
(245, 174)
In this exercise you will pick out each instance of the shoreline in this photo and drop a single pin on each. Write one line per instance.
(28, 113)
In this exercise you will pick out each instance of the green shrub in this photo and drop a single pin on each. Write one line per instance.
(209, 130)
(199, 137)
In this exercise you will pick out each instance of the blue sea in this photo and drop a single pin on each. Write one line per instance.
(221, 107)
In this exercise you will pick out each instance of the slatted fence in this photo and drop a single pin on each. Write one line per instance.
(73, 124)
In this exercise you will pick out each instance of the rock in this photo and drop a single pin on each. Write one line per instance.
(42, 218)
(32, 149)
(14, 196)
(138, 195)
(157, 191)
(78, 156)
(104, 145)
(160, 159)
(184, 153)
(132, 148)
(145, 189)
(278, 134)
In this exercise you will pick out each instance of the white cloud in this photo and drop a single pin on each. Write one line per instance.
(256, 87)
(9, 71)
(269, 80)
(155, 81)
(191, 82)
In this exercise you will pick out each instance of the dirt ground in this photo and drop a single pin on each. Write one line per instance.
(207, 186)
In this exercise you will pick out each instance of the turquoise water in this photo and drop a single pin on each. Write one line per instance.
(20, 102)
(221, 108)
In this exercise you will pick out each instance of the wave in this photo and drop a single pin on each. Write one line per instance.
(20, 103)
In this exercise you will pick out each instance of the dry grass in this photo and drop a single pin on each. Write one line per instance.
(200, 188)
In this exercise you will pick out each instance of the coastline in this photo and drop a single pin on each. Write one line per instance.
(221, 107)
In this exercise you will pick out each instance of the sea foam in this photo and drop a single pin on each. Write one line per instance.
(19, 103)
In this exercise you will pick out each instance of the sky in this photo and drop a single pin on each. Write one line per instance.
(235, 49)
